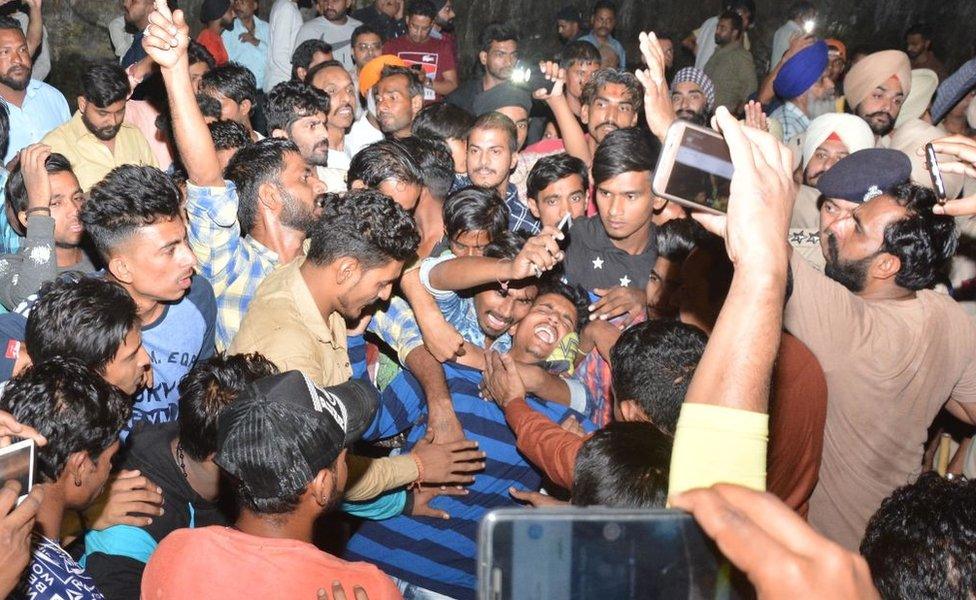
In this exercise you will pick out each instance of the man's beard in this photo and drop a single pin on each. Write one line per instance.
(821, 106)
(18, 84)
(294, 214)
(878, 129)
(851, 274)
(446, 26)
(696, 118)
(103, 133)
(812, 179)
(317, 159)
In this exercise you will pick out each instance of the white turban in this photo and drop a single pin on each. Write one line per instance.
(924, 84)
(851, 129)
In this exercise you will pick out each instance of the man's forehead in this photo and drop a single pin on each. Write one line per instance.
(833, 146)
(557, 302)
(686, 87)
(334, 75)
(615, 92)
(891, 85)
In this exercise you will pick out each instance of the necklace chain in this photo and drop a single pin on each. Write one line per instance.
(182, 459)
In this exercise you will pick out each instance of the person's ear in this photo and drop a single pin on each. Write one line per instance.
(346, 269)
(886, 266)
(77, 467)
(269, 197)
(321, 487)
(533, 207)
(417, 103)
(22, 218)
(658, 204)
(82, 104)
(357, 185)
(483, 58)
(515, 157)
(585, 114)
(246, 107)
(119, 267)
(634, 119)
(301, 72)
(632, 413)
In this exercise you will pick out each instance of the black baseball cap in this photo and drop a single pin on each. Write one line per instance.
(283, 430)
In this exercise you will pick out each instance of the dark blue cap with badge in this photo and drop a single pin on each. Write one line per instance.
(865, 174)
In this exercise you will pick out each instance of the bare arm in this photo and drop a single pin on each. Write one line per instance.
(572, 134)
(442, 424)
(35, 26)
(540, 254)
(167, 45)
(448, 84)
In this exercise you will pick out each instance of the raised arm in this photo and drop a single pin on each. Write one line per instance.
(35, 26)
(657, 98)
(572, 134)
(166, 41)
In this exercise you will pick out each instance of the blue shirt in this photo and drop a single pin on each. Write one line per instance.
(618, 48)
(519, 217)
(53, 575)
(135, 53)
(179, 338)
(255, 58)
(435, 554)
(44, 108)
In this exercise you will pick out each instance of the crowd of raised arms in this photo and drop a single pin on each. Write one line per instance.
(298, 268)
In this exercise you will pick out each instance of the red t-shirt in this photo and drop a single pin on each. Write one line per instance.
(435, 57)
(220, 562)
(212, 42)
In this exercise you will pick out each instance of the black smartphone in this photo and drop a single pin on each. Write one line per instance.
(530, 77)
(932, 164)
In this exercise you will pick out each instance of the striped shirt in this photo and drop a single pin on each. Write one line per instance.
(431, 553)
(519, 217)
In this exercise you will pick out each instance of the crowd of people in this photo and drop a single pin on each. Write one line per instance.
(294, 268)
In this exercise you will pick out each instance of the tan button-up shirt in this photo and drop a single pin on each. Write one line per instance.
(284, 324)
(90, 158)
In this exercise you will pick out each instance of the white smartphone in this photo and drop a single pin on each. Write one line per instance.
(17, 462)
(694, 169)
(596, 552)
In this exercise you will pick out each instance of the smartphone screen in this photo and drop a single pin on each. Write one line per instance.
(17, 462)
(598, 553)
(702, 171)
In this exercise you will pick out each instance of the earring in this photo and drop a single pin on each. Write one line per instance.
(77, 482)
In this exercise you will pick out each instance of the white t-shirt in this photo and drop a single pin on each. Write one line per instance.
(339, 36)
(361, 134)
(283, 24)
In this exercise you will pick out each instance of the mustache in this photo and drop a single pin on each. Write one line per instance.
(881, 113)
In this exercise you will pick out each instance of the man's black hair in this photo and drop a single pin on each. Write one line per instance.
(444, 121)
(578, 51)
(606, 76)
(923, 241)
(304, 52)
(211, 385)
(421, 8)
(328, 64)
(501, 122)
(921, 28)
(678, 237)
(208, 105)
(232, 80)
(363, 224)
(81, 318)
(4, 129)
(623, 465)
(15, 189)
(250, 168)
(197, 53)
(735, 18)
(497, 32)
(104, 83)
(228, 134)
(130, 197)
(652, 364)
(624, 151)
(70, 405)
(434, 162)
(363, 29)
(552, 284)
(747, 5)
(10, 23)
(922, 541)
(290, 101)
(475, 209)
(550, 169)
(382, 160)
(415, 86)
(506, 245)
(604, 5)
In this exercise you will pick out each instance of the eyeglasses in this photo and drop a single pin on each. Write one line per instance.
(364, 47)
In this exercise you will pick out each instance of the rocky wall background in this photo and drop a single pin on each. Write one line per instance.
(78, 28)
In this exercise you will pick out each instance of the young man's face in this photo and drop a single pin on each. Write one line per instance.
(136, 12)
(395, 108)
(578, 74)
(567, 30)
(367, 47)
(67, 200)
(128, 368)
(15, 60)
(725, 33)
(916, 45)
(667, 47)
(337, 83)
(603, 22)
(230, 110)
(566, 195)
(470, 243)
(852, 237)
(197, 71)
(418, 28)
(299, 188)
(103, 123)
(490, 158)
(500, 59)
(498, 311)
(520, 117)
(389, 8)
(366, 286)
(550, 319)
(611, 108)
(312, 138)
(880, 109)
(244, 9)
(664, 280)
(824, 157)
(333, 10)
(626, 204)
(158, 262)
